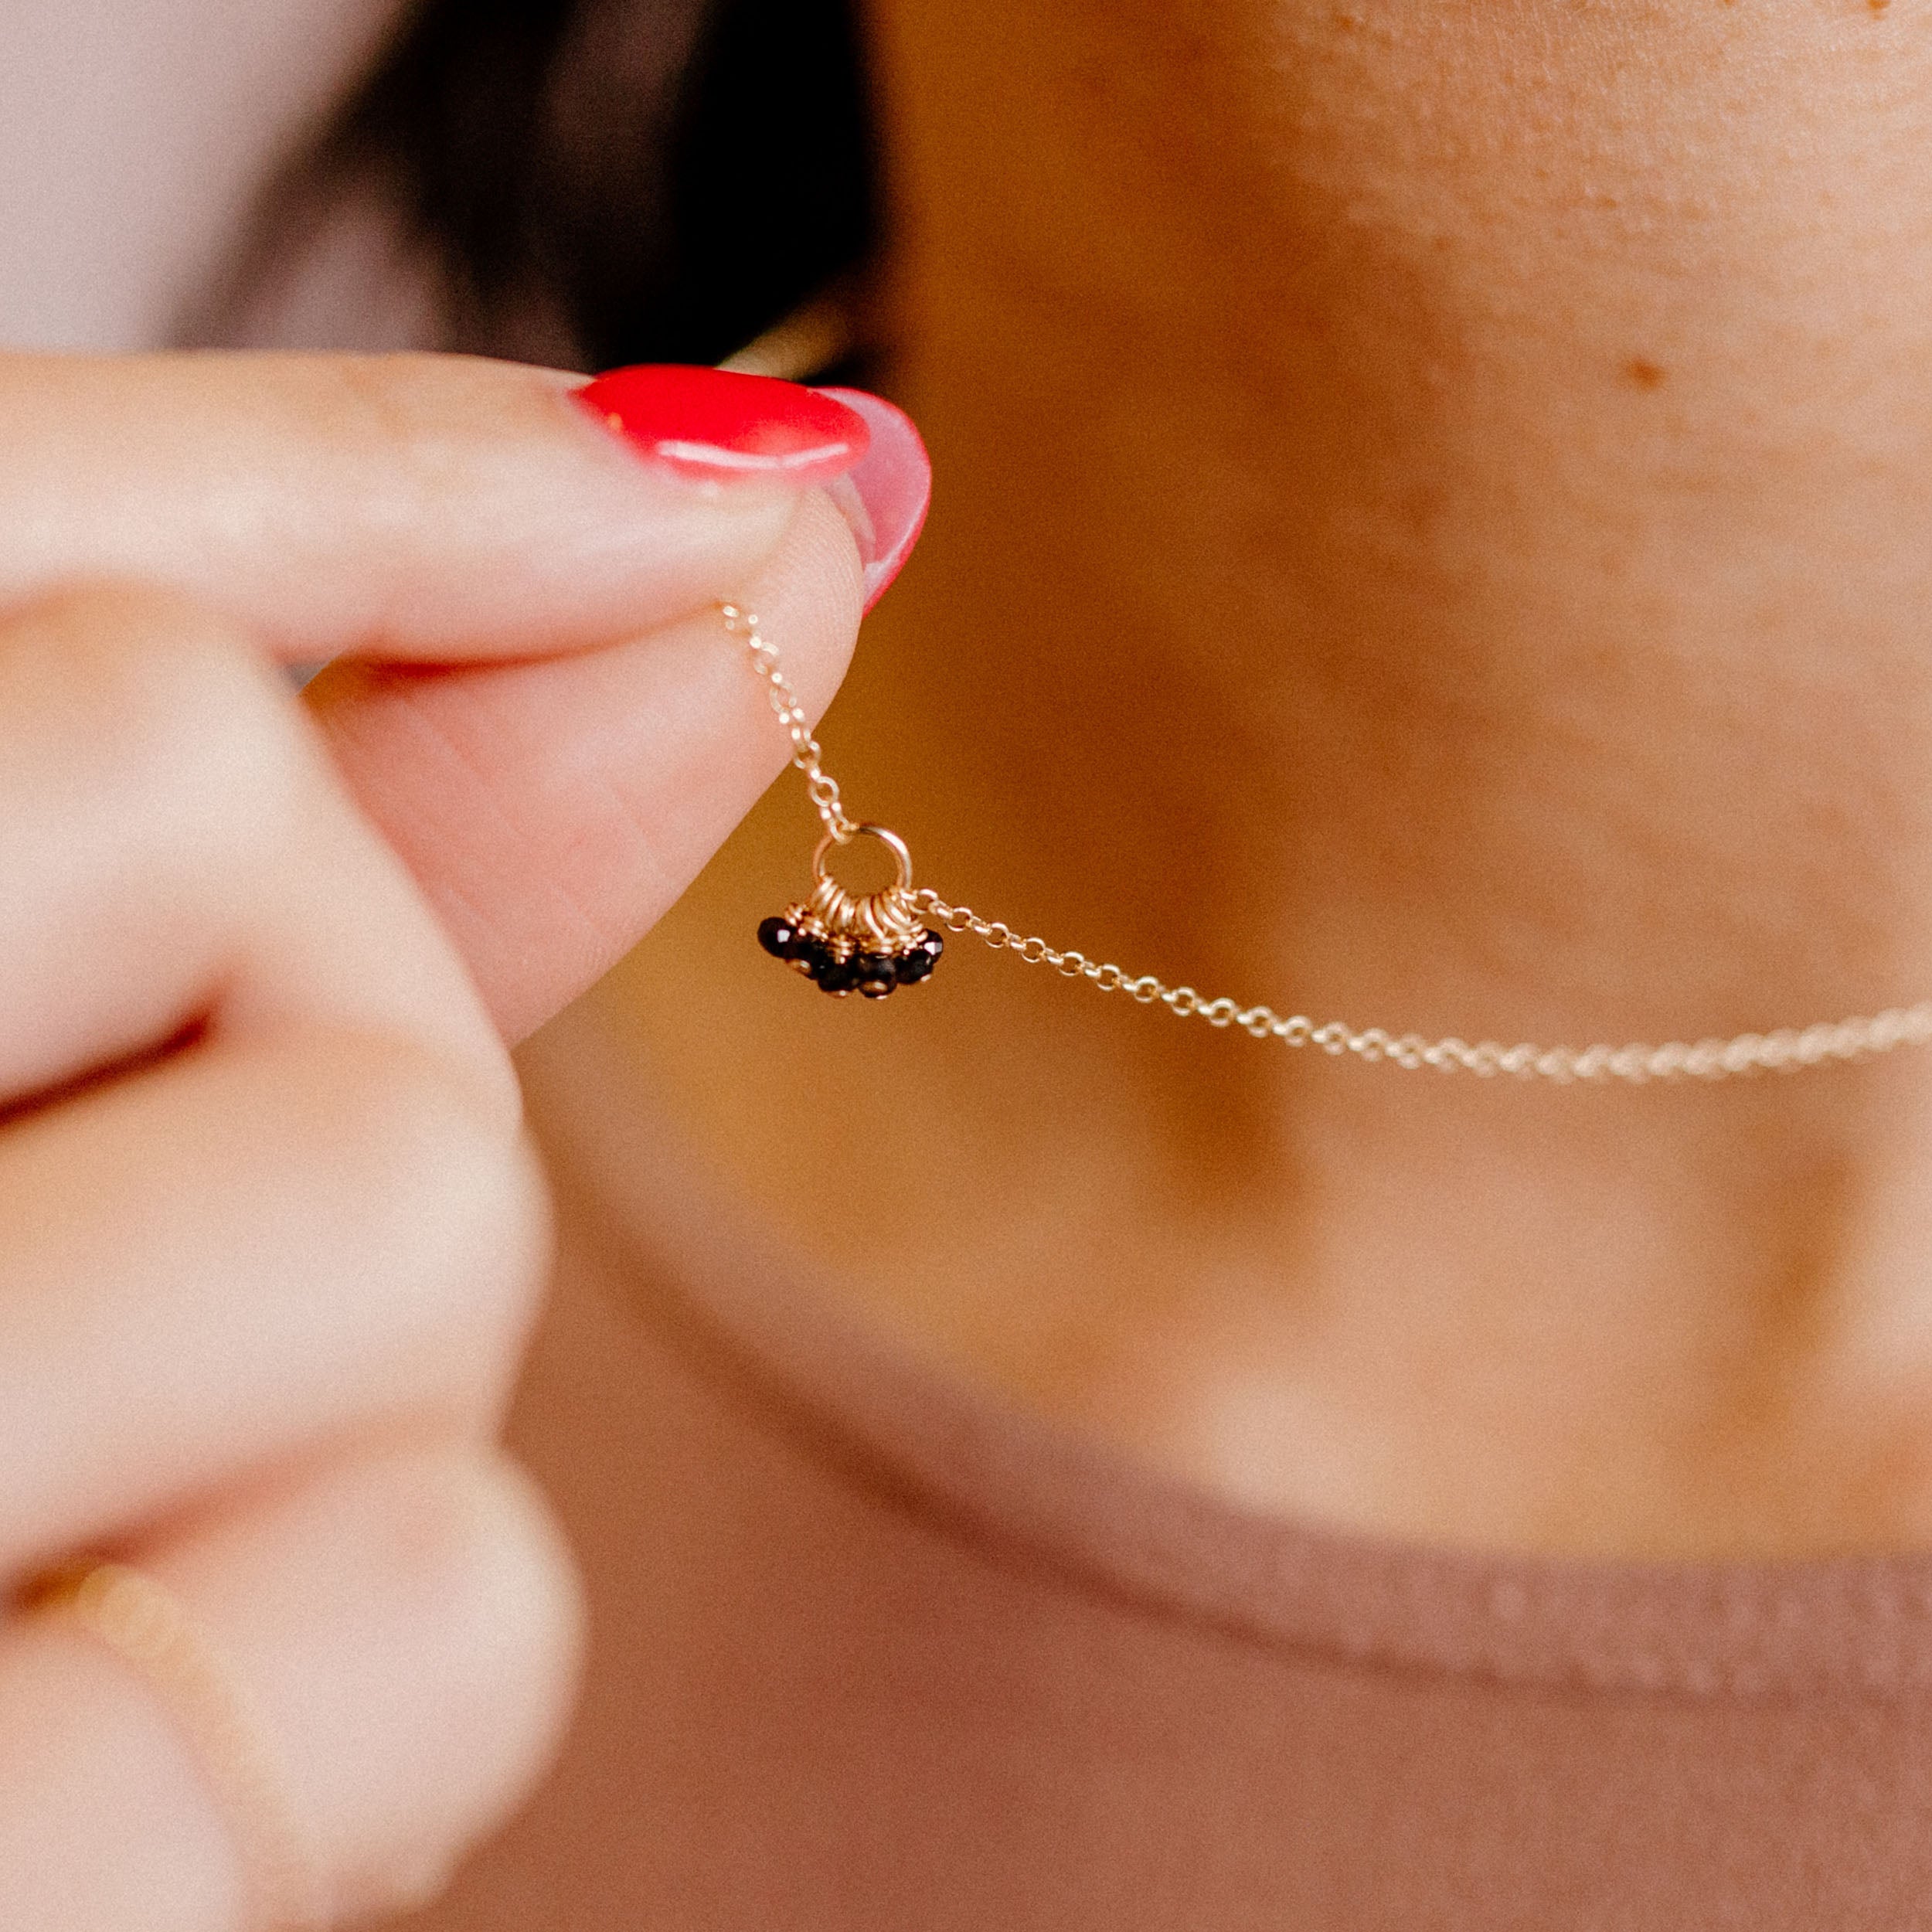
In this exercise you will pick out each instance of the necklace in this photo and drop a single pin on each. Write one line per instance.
(873, 943)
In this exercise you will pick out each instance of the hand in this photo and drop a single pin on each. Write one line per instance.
(270, 1239)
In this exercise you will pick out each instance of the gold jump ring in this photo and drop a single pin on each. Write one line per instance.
(902, 858)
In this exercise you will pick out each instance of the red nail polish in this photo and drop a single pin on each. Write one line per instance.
(716, 426)
(884, 495)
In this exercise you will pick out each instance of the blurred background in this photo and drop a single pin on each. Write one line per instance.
(583, 184)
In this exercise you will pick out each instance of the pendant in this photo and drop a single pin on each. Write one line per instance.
(867, 943)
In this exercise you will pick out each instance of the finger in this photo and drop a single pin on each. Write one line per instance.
(243, 1252)
(178, 850)
(552, 810)
(431, 507)
(407, 1629)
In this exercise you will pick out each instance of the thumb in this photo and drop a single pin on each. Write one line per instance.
(552, 809)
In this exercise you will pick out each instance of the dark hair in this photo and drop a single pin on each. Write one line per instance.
(605, 181)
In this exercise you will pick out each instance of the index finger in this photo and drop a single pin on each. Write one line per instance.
(430, 507)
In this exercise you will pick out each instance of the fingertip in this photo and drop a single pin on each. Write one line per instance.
(553, 809)
(886, 495)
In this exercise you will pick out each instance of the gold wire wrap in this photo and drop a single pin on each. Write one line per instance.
(1789, 1049)
(888, 918)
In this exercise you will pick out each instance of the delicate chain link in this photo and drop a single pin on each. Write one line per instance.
(1787, 1050)
(806, 753)
(1707, 1059)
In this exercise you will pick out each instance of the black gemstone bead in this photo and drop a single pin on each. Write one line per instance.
(835, 975)
(918, 963)
(874, 974)
(779, 938)
(813, 956)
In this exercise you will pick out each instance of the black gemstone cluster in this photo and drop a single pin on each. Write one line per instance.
(874, 963)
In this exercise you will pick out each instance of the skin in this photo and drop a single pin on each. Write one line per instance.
(272, 1236)
(1434, 533)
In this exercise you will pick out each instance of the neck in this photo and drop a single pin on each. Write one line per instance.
(1500, 605)
(1453, 560)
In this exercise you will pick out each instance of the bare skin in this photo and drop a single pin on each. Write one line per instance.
(273, 1237)
(1430, 529)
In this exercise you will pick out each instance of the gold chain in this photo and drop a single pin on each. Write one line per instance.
(1785, 1051)
(806, 753)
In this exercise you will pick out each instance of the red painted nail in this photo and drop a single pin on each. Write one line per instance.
(884, 495)
(718, 426)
